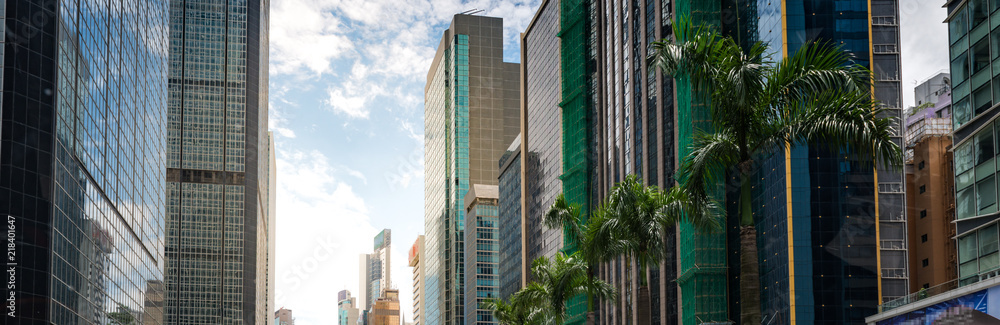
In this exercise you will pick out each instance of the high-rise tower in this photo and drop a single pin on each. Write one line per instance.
(471, 115)
(83, 98)
(217, 163)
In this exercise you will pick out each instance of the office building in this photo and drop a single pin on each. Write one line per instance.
(283, 317)
(81, 163)
(481, 249)
(378, 268)
(347, 308)
(930, 182)
(385, 310)
(416, 252)
(471, 114)
(272, 224)
(364, 274)
(975, 134)
(511, 238)
(217, 163)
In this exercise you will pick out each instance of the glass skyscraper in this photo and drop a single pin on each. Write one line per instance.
(471, 103)
(82, 124)
(510, 226)
(217, 163)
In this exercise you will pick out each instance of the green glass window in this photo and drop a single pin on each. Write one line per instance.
(968, 248)
(984, 146)
(980, 11)
(986, 195)
(962, 112)
(983, 99)
(964, 203)
(988, 240)
(981, 55)
(963, 158)
(959, 25)
(960, 68)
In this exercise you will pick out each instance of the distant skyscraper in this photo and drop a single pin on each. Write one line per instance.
(471, 114)
(272, 205)
(83, 98)
(283, 317)
(217, 163)
(364, 275)
(347, 309)
(385, 310)
(510, 231)
(481, 248)
(378, 268)
(416, 253)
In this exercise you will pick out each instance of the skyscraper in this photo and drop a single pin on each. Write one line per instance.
(416, 253)
(364, 275)
(976, 91)
(82, 120)
(385, 310)
(378, 268)
(283, 316)
(510, 232)
(217, 163)
(481, 263)
(347, 308)
(471, 115)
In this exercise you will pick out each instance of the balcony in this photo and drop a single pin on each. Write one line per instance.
(892, 244)
(894, 273)
(884, 21)
(885, 49)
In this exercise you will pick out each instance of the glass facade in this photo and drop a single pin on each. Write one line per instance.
(217, 163)
(543, 137)
(843, 218)
(509, 228)
(81, 167)
(471, 109)
(482, 279)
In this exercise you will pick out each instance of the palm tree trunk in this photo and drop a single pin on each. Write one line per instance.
(749, 269)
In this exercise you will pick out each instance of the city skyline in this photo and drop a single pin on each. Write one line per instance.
(346, 110)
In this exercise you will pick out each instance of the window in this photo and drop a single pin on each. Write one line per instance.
(923, 214)
(984, 147)
(923, 238)
(981, 55)
(980, 11)
(923, 188)
(962, 111)
(982, 99)
(920, 166)
(926, 285)
(925, 262)
(965, 205)
(986, 195)
(959, 25)
(963, 158)
(960, 68)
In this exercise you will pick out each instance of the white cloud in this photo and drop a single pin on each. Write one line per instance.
(924, 39)
(352, 97)
(305, 35)
(276, 119)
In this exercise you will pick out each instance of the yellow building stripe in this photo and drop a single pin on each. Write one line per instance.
(788, 184)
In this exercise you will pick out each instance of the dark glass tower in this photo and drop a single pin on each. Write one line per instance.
(82, 123)
(510, 227)
(217, 163)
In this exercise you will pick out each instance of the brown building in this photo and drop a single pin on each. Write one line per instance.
(385, 311)
(930, 182)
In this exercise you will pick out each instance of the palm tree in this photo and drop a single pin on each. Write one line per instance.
(758, 108)
(632, 223)
(519, 310)
(560, 279)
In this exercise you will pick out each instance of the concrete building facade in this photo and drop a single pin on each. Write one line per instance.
(385, 310)
(416, 252)
(471, 104)
(347, 309)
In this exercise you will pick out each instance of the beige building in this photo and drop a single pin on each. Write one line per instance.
(385, 310)
(284, 317)
(416, 252)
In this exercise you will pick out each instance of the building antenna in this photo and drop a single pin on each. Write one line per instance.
(472, 11)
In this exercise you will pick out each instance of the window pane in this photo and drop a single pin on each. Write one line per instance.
(963, 158)
(980, 11)
(960, 68)
(965, 204)
(959, 25)
(984, 146)
(986, 195)
(981, 55)
(983, 98)
(989, 262)
(967, 248)
(988, 240)
(962, 112)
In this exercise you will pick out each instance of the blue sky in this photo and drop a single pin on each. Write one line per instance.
(346, 108)
(346, 100)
